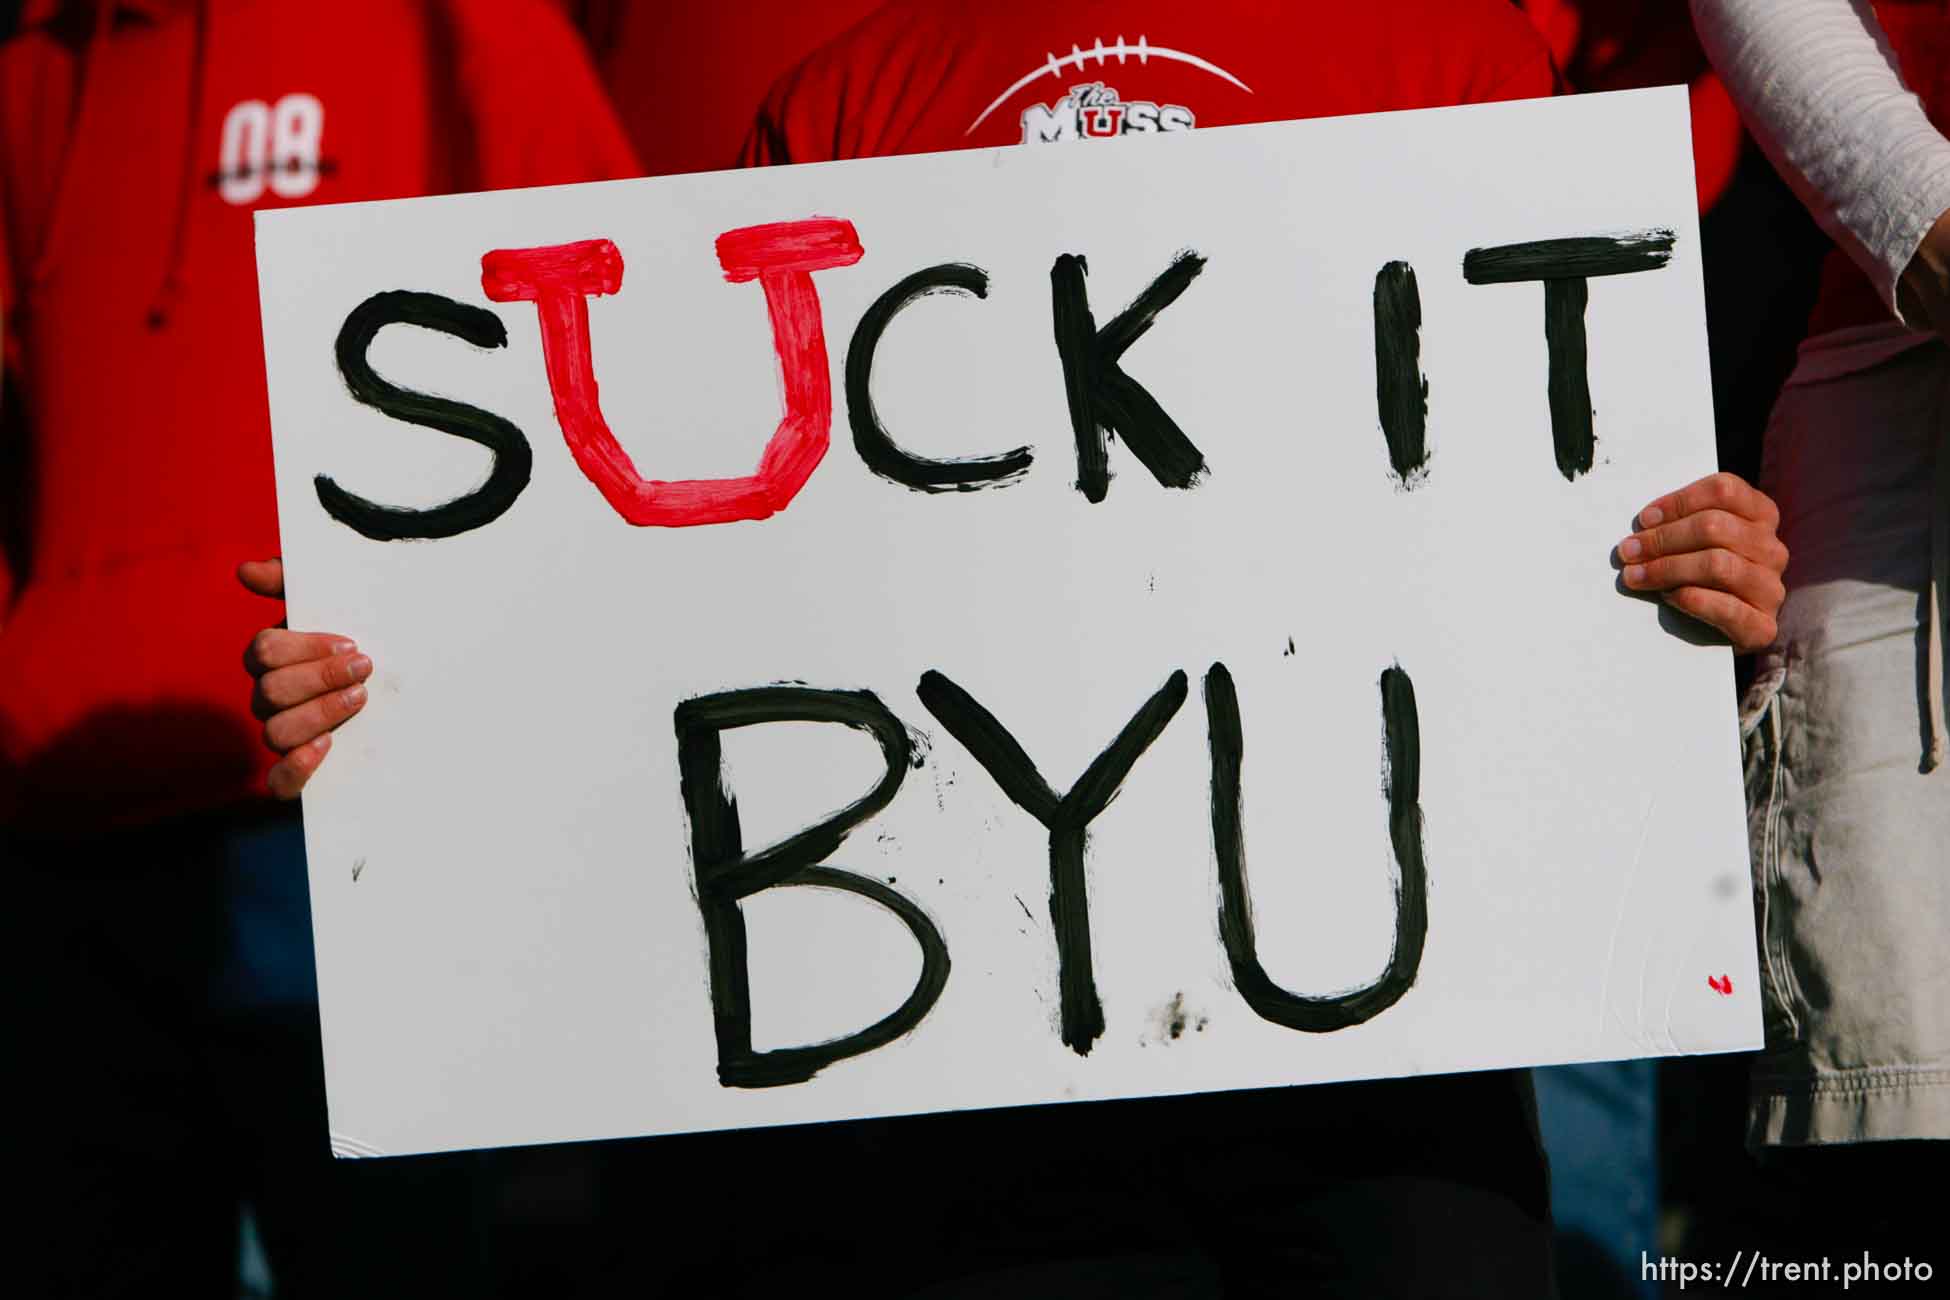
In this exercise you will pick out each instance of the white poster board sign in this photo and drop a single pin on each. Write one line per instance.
(1147, 691)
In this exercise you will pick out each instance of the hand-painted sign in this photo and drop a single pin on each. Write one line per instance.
(1328, 472)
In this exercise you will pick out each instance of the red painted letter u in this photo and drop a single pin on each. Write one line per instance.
(782, 257)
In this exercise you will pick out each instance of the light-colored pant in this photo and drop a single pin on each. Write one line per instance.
(1850, 831)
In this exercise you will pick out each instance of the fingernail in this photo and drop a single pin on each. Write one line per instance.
(1631, 548)
(344, 647)
(360, 667)
(1651, 517)
(354, 696)
(322, 743)
(1635, 573)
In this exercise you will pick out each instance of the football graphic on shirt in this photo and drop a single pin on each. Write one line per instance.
(1095, 110)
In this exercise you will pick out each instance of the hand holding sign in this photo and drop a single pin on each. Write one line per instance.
(307, 683)
(1712, 550)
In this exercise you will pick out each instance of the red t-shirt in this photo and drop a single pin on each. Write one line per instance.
(685, 77)
(133, 339)
(923, 75)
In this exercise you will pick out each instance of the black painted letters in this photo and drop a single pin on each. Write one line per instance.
(726, 874)
(1102, 398)
(1401, 391)
(512, 458)
(1402, 738)
(1564, 265)
(876, 447)
(1066, 817)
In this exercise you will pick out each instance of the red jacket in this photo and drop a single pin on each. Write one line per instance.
(134, 145)
(923, 75)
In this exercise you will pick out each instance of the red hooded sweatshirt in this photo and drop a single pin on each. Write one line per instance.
(921, 75)
(136, 139)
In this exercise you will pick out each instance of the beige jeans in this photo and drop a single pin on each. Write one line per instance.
(1850, 821)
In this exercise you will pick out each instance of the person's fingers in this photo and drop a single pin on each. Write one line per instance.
(1707, 530)
(275, 647)
(1712, 550)
(263, 577)
(1748, 628)
(307, 684)
(284, 688)
(293, 727)
(289, 774)
(1719, 570)
(1722, 491)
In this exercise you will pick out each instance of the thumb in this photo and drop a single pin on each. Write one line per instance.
(263, 577)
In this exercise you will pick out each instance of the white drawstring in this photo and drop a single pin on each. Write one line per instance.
(1934, 720)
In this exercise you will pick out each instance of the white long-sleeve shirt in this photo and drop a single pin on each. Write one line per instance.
(1819, 87)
